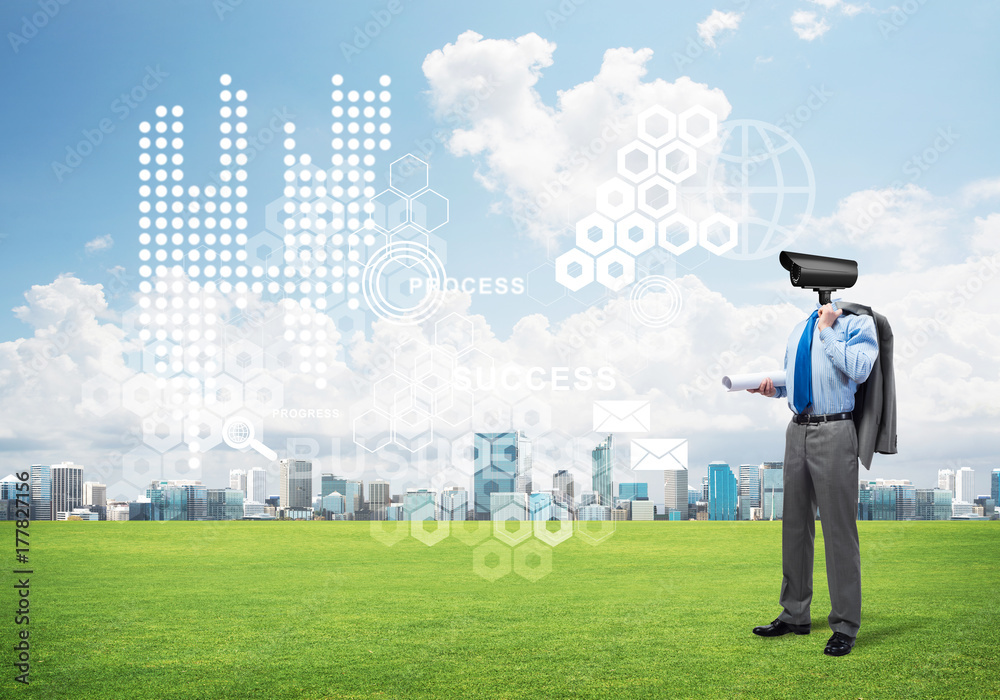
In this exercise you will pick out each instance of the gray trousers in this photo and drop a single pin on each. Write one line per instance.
(821, 469)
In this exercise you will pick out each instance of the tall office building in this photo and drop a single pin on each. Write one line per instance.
(965, 485)
(675, 491)
(509, 505)
(995, 486)
(224, 504)
(772, 490)
(603, 462)
(238, 480)
(524, 480)
(562, 484)
(420, 504)
(95, 494)
(67, 487)
(378, 498)
(166, 502)
(454, 504)
(495, 463)
(906, 500)
(749, 489)
(704, 488)
(632, 491)
(295, 480)
(946, 480)
(256, 485)
(351, 489)
(883, 503)
(933, 504)
(722, 488)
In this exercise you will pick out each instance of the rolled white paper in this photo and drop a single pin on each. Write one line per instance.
(740, 382)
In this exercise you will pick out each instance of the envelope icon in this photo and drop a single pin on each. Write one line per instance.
(659, 453)
(621, 416)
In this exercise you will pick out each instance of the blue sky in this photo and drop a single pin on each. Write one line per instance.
(880, 85)
(891, 91)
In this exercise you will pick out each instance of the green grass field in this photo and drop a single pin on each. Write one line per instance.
(658, 610)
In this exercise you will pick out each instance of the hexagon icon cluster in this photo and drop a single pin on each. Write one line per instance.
(638, 209)
(419, 391)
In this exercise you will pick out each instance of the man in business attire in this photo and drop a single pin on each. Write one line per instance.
(827, 356)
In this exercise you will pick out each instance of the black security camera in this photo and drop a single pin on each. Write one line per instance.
(821, 274)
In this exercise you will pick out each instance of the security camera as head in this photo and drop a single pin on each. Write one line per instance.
(821, 274)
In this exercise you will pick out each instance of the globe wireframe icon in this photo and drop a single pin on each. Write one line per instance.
(239, 433)
(762, 178)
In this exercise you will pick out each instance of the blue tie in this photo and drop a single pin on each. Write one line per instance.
(803, 395)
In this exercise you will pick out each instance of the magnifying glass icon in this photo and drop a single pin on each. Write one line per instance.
(238, 434)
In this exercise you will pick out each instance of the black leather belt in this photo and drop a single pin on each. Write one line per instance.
(801, 418)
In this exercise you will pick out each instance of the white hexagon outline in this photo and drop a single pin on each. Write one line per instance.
(651, 160)
(428, 538)
(529, 574)
(465, 322)
(648, 240)
(710, 133)
(421, 438)
(398, 534)
(607, 530)
(586, 262)
(627, 262)
(263, 381)
(479, 554)
(646, 208)
(523, 531)
(406, 211)
(223, 381)
(552, 539)
(678, 218)
(673, 176)
(615, 211)
(521, 407)
(718, 218)
(583, 239)
(89, 388)
(427, 170)
(215, 430)
(136, 406)
(482, 531)
(424, 193)
(657, 141)
(164, 444)
(354, 430)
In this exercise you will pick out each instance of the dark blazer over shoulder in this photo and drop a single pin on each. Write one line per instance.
(875, 400)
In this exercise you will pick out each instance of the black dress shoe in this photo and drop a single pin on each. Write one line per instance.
(780, 627)
(839, 645)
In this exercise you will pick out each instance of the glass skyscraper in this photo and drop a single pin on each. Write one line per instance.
(632, 491)
(67, 487)
(454, 503)
(378, 498)
(257, 485)
(295, 479)
(562, 484)
(603, 461)
(995, 485)
(772, 490)
(495, 463)
(722, 489)
(749, 490)
(41, 492)
(676, 495)
(224, 504)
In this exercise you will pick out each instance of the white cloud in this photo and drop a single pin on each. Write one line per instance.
(545, 160)
(100, 243)
(716, 23)
(808, 26)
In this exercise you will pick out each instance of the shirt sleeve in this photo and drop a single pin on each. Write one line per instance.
(781, 392)
(855, 356)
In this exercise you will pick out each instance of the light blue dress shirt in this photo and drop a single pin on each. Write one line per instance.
(842, 357)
